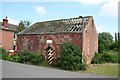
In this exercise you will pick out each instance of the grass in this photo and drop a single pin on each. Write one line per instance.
(107, 69)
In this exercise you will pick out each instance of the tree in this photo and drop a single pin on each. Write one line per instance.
(105, 39)
(23, 25)
(116, 37)
(116, 45)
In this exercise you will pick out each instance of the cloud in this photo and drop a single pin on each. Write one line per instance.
(12, 21)
(90, 2)
(110, 8)
(41, 10)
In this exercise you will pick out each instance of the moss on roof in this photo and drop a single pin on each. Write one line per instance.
(57, 26)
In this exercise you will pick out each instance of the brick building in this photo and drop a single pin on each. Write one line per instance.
(80, 31)
(7, 35)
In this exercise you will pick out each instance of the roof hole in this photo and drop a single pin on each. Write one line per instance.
(77, 28)
(71, 28)
(74, 29)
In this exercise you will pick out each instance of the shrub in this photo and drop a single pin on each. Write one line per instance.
(2, 50)
(114, 58)
(0, 56)
(105, 57)
(4, 54)
(37, 59)
(119, 56)
(14, 58)
(83, 66)
(115, 46)
(110, 57)
(96, 59)
(70, 58)
(26, 56)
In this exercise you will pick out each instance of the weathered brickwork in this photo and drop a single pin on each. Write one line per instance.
(7, 39)
(90, 41)
(80, 31)
(38, 42)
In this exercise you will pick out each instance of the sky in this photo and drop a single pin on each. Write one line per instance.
(104, 12)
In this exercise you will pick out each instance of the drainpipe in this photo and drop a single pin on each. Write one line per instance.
(82, 44)
(82, 57)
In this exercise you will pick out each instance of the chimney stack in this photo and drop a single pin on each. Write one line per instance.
(5, 23)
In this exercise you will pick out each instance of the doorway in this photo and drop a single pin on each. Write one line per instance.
(49, 53)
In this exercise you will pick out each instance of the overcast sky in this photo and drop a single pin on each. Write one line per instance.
(104, 12)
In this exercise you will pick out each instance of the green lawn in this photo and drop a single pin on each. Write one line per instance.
(107, 69)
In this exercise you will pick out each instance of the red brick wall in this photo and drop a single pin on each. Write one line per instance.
(87, 41)
(38, 42)
(90, 41)
(7, 38)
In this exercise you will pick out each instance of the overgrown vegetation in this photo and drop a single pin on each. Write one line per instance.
(1, 50)
(14, 58)
(109, 50)
(4, 54)
(70, 58)
(106, 57)
(25, 57)
(71, 55)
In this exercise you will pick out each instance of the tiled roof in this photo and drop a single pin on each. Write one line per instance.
(11, 27)
(57, 26)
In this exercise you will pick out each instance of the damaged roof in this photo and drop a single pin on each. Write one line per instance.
(57, 26)
(10, 28)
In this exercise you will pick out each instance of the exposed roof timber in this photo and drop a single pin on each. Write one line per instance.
(57, 26)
